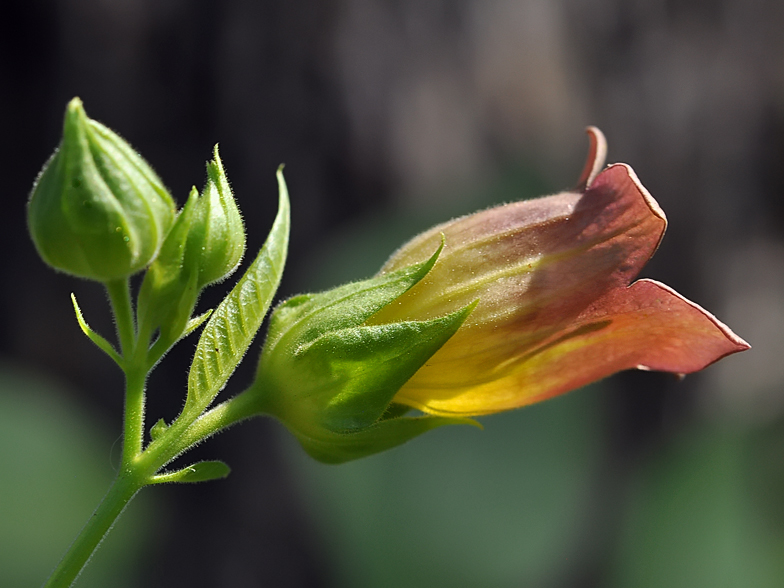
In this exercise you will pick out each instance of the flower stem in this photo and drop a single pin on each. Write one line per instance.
(120, 299)
(133, 431)
(123, 489)
(132, 477)
(139, 464)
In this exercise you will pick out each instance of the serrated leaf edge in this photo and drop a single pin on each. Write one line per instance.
(223, 343)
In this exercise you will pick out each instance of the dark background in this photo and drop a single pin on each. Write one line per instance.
(390, 115)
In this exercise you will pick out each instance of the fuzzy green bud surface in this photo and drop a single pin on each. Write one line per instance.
(204, 245)
(216, 241)
(97, 209)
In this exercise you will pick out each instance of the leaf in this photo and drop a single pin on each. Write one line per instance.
(195, 323)
(203, 471)
(101, 342)
(234, 324)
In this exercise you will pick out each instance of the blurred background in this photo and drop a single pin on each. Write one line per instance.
(392, 115)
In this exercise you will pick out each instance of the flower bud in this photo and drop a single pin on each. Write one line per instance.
(169, 291)
(528, 300)
(217, 238)
(97, 209)
(204, 245)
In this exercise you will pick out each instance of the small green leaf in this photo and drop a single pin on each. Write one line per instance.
(234, 323)
(102, 343)
(195, 323)
(203, 471)
(158, 429)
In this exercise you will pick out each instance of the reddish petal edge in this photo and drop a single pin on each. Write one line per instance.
(740, 344)
(645, 326)
(649, 199)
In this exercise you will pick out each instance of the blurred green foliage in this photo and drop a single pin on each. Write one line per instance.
(507, 506)
(56, 465)
(702, 512)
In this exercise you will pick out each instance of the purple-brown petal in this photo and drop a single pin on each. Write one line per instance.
(645, 326)
(556, 310)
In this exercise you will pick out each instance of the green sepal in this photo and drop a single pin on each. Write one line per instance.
(395, 410)
(302, 319)
(234, 323)
(333, 448)
(202, 471)
(100, 341)
(169, 290)
(354, 373)
(331, 378)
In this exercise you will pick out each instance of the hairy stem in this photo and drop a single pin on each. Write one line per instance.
(120, 299)
(133, 432)
(185, 432)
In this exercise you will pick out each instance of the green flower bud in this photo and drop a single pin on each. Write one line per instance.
(217, 237)
(204, 245)
(169, 291)
(97, 209)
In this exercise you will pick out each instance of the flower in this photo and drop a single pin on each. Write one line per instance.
(485, 313)
(557, 307)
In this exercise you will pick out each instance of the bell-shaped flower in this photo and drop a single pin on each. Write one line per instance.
(485, 313)
(557, 306)
(97, 209)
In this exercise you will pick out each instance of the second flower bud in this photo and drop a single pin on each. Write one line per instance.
(205, 245)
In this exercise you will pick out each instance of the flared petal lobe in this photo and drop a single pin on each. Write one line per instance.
(556, 310)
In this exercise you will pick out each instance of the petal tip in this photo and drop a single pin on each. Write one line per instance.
(647, 197)
(597, 153)
(737, 343)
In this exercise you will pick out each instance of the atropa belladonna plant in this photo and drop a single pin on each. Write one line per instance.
(485, 313)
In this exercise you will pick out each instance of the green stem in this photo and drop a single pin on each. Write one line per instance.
(120, 299)
(134, 351)
(139, 466)
(133, 433)
(120, 494)
(132, 478)
(186, 432)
